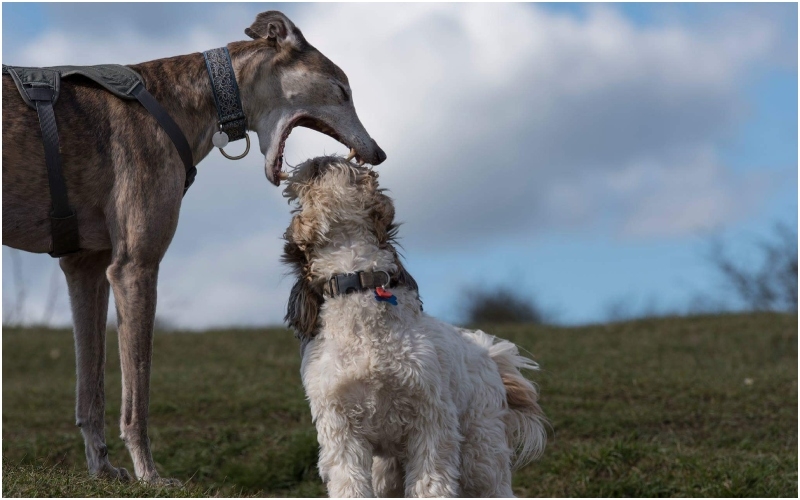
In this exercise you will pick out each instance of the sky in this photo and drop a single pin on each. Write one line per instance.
(583, 154)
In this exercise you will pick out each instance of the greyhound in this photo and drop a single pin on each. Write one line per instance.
(125, 181)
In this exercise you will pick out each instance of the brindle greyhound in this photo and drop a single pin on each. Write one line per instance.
(125, 180)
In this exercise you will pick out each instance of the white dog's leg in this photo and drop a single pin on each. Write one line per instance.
(486, 456)
(387, 477)
(434, 452)
(345, 457)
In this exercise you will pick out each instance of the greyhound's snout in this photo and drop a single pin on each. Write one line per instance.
(378, 155)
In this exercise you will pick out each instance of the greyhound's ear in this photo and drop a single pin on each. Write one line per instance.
(276, 28)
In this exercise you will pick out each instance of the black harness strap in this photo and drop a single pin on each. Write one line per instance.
(63, 221)
(171, 128)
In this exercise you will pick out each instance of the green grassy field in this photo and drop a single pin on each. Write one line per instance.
(703, 406)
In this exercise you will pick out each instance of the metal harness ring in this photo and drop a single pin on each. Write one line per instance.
(246, 150)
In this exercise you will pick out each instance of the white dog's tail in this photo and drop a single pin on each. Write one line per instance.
(525, 422)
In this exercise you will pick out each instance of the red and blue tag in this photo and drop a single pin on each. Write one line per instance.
(384, 295)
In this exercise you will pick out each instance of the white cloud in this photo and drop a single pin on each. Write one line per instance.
(685, 193)
(493, 106)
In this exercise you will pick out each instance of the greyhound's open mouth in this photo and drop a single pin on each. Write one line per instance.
(277, 173)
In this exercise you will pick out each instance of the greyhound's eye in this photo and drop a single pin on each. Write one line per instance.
(345, 96)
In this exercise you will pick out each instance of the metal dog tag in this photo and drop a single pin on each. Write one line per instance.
(219, 139)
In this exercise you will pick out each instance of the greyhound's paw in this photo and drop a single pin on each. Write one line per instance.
(112, 473)
(123, 475)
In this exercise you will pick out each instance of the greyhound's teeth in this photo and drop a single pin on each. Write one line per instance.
(351, 155)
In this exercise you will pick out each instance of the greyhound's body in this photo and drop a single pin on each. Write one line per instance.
(125, 180)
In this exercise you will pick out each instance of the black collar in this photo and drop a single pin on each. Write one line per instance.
(232, 122)
(342, 284)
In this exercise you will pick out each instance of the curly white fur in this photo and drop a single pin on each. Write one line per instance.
(403, 403)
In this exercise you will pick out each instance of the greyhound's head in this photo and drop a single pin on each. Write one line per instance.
(296, 86)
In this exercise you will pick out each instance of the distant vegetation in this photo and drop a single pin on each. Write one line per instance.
(767, 282)
(500, 305)
(701, 406)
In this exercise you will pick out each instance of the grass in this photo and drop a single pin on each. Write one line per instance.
(703, 406)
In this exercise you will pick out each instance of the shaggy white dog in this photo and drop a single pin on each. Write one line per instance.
(404, 404)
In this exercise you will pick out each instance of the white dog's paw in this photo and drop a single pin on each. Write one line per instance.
(434, 489)
(163, 482)
(169, 482)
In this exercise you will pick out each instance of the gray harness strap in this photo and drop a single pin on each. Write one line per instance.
(40, 87)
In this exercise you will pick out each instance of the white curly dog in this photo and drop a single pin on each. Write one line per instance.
(404, 404)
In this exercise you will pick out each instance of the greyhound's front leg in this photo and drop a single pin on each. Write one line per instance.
(141, 223)
(134, 285)
(88, 293)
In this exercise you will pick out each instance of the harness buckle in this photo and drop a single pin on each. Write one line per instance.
(39, 92)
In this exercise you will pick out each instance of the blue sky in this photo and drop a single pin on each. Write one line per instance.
(596, 148)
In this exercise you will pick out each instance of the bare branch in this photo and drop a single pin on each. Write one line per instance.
(770, 286)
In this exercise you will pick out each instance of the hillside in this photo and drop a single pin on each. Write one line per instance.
(702, 406)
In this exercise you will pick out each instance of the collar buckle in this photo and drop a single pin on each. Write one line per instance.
(343, 284)
(347, 283)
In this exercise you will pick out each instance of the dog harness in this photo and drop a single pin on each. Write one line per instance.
(40, 87)
(232, 122)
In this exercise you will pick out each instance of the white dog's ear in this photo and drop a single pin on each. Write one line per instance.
(302, 311)
(382, 214)
(276, 28)
(302, 230)
(382, 207)
(305, 301)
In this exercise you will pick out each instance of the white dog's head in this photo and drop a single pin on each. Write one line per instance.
(333, 195)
